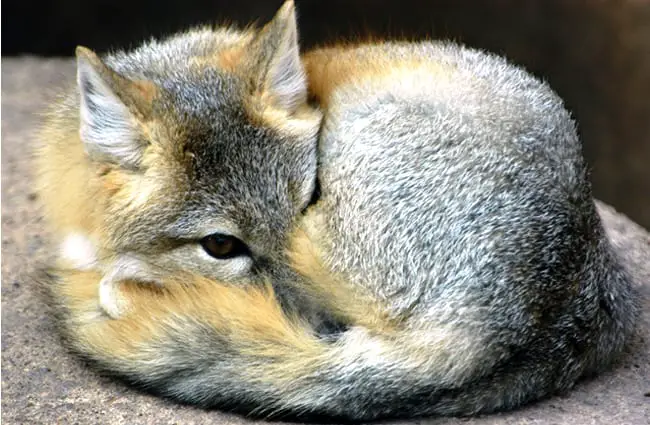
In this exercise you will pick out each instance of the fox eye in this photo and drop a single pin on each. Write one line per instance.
(223, 247)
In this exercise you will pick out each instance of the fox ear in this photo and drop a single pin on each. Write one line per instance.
(279, 74)
(110, 108)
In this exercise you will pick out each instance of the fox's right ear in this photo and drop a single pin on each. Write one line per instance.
(111, 108)
(278, 70)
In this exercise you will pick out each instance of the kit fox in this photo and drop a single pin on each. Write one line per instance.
(455, 242)
(195, 153)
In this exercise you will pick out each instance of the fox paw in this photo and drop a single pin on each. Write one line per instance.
(111, 299)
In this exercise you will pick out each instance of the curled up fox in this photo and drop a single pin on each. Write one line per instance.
(365, 231)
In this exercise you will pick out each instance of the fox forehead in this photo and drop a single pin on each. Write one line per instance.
(226, 174)
(182, 54)
(240, 177)
(216, 140)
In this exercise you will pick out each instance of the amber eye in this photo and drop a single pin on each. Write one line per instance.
(223, 247)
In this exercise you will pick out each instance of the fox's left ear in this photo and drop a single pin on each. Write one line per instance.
(275, 54)
(111, 107)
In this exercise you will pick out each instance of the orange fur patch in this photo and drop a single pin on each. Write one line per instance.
(145, 90)
(231, 58)
(250, 318)
(330, 69)
(69, 186)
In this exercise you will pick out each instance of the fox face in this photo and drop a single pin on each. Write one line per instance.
(205, 147)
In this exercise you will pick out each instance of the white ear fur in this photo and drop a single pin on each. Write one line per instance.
(107, 127)
(285, 78)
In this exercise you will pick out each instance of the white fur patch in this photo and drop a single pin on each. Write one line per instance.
(79, 252)
(287, 80)
(361, 346)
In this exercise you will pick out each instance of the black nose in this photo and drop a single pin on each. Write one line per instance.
(330, 330)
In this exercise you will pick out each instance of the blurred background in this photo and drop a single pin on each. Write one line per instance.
(594, 53)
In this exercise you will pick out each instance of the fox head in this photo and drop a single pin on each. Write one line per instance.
(205, 145)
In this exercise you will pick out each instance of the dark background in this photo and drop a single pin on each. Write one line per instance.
(595, 53)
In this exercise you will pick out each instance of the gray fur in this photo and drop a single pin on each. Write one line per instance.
(236, 175)
(466, 206)
(463, 207)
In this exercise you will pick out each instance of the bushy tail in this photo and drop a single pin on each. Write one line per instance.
(619, 307)
(216, 345)
(220, 346)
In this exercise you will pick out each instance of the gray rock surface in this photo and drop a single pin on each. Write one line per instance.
(43, 384)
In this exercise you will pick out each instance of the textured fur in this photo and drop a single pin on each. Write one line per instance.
(455, 241)
(455, 198)
(205, 132)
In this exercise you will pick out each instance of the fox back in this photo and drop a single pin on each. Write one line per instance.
(455, 201)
